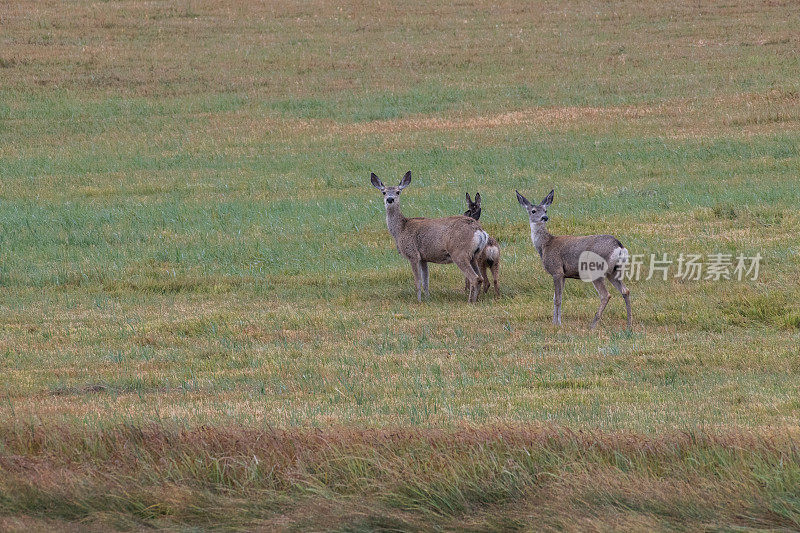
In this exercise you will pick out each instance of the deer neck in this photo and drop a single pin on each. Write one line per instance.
(540, 237)
(395, 219)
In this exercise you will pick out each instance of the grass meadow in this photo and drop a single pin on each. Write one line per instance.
(205, 324)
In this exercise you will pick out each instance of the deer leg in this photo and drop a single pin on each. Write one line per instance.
(558, 283)
(474, 264)
(415, 268)
(602, 292)
(425, 276)
(495, 276)
(626, 295)
(471, 275)
(485, 276)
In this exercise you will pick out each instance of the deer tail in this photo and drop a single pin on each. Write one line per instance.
(479, 240)
(492, 252)
(618, 257)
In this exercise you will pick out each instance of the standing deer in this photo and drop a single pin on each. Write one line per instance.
(489, 258)
(457, 239)
(591, 258)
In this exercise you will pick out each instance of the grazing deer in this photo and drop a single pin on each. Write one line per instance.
(489, 258)
(457, 239)
(590, 258)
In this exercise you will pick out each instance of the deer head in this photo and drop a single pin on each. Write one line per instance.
(537, 214)
(391, 194)
(473, 208)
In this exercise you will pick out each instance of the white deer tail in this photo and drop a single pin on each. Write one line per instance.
(479, 240)
(492, 253)
(618, 258)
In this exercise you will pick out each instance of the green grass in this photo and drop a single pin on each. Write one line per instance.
(189, 242)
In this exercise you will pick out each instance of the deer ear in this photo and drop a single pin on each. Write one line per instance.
(406, 181)
(523, 201)
(378, 184)
(469, 200)
(478, 199)
(548, 199)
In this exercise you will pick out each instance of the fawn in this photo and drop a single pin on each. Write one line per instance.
(590, 258)
(489, 258)
(456, 239)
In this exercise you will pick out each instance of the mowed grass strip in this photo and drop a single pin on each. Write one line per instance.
(432, 365)
(356, 60)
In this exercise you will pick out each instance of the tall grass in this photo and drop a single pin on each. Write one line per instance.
(157, 476)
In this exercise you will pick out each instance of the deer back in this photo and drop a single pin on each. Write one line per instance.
(562, 253)
(438, 239)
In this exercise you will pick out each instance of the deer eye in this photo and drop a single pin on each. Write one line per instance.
(384, 193)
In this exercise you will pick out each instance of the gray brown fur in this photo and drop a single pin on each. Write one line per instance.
(489, 258)
(457, 239)
(560, 258)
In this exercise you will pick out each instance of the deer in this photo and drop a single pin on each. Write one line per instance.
(456, 239)
(489, 258)
(590, 258)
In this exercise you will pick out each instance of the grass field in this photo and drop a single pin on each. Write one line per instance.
(204, 322)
